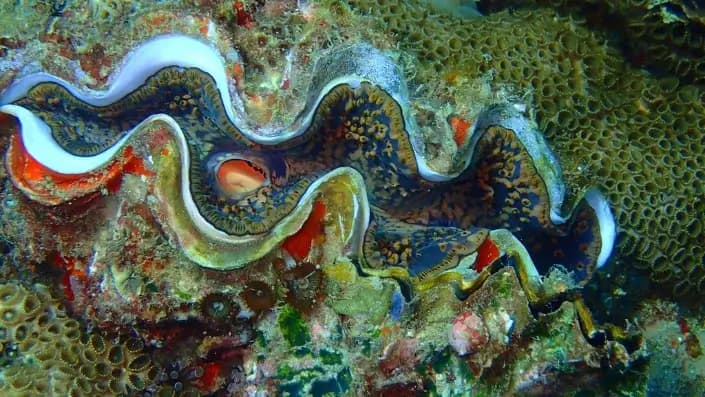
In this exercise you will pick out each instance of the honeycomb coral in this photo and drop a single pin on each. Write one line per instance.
(47, 353)
(637, 137)
(665, 36)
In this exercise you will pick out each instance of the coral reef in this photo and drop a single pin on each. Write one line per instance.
(280, 214)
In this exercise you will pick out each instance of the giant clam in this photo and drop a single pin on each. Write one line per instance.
(232, 191)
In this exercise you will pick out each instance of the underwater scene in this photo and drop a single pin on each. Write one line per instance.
(352, 198)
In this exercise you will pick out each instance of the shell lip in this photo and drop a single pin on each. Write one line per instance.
(608, 225)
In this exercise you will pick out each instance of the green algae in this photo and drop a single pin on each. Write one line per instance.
(284, 371)
(293, 327)
(322, 383)
(261, 339)
(329, 357)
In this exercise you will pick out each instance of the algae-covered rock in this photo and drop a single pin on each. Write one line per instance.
(360, 297)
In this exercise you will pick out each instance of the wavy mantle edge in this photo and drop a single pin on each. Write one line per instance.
(350, 64)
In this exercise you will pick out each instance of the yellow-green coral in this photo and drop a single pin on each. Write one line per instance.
(637, 137)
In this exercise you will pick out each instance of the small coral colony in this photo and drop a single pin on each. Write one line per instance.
(277, 198)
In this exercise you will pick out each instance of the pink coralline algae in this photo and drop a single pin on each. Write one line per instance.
(468, 335)
(400, 356)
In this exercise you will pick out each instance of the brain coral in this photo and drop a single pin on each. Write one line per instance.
(637, 137)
